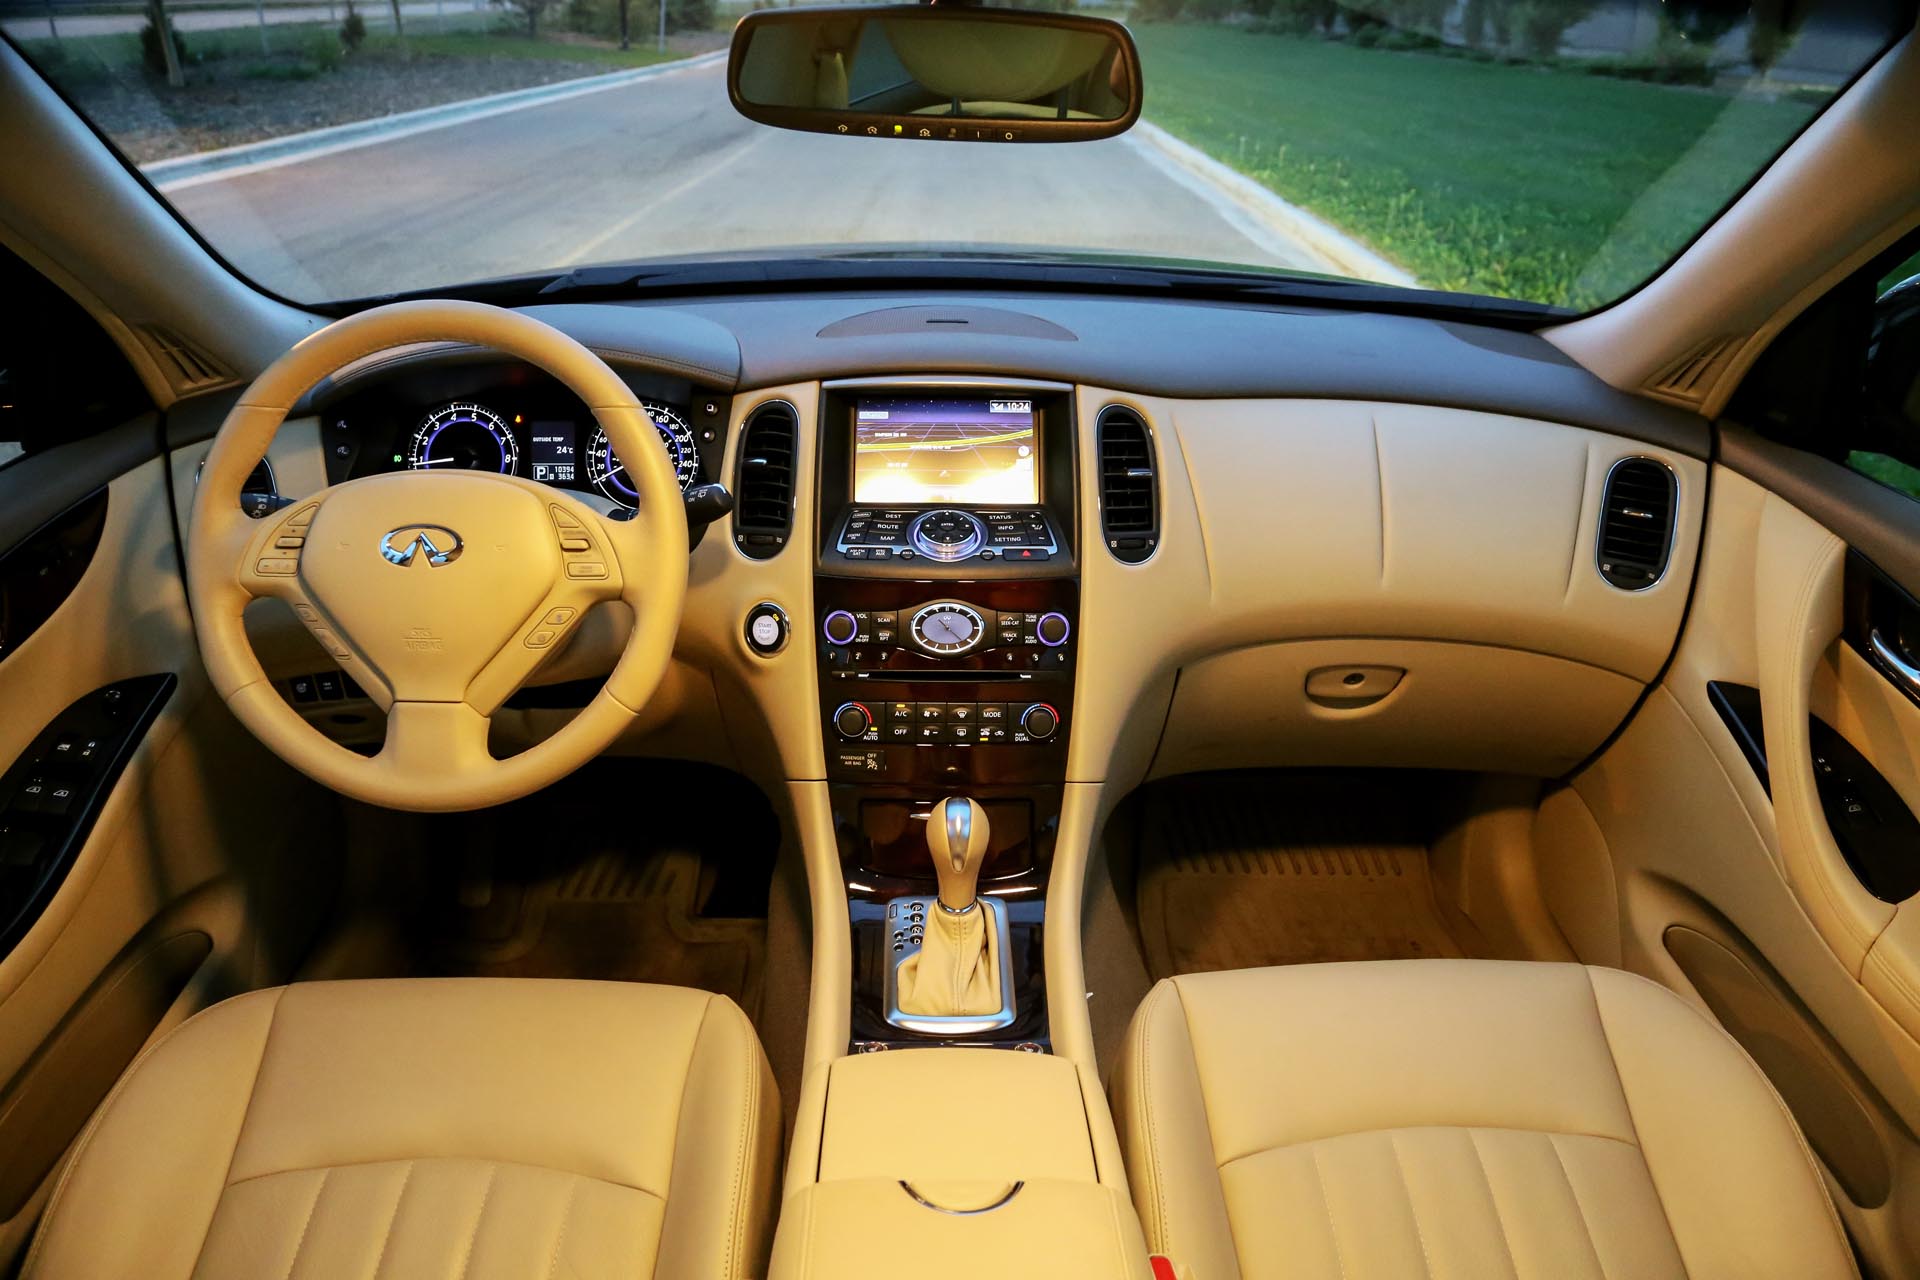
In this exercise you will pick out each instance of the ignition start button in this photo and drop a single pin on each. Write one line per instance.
(767, 628)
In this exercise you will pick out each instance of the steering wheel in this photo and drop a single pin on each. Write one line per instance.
(439, 592)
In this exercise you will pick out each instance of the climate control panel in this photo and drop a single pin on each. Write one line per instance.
(975, 686)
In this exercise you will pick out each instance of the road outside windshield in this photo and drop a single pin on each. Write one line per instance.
(1553, 151)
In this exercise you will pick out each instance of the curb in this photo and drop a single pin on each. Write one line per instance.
(207, 166)
(1289, 221)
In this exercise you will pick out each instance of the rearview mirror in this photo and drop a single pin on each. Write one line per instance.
(936, 74)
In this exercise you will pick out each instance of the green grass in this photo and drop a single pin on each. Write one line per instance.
(1516, 181)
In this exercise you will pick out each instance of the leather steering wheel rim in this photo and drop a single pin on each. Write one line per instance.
(440, 641)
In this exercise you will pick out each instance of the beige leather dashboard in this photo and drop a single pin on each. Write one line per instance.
(1449, 555)
(1338, 537)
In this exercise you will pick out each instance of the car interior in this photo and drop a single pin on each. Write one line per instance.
(932, 766)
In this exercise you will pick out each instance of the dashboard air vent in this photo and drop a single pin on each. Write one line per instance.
(1636, 523)
(187, 368)
(764, 518)
(1688, 380)
(1129, 501)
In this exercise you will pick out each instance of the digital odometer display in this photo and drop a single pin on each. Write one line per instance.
(965, 451)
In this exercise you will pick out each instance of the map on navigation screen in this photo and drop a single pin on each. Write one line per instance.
(968, 452)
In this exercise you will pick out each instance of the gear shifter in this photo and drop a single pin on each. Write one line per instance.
(956, 980)
(957, 836)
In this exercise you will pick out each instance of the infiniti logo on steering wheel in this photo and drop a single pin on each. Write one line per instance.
(442, 545)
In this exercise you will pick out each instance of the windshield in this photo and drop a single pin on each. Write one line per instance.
(1556, 152)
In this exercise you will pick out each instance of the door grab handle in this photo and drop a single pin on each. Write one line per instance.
(1902, 670)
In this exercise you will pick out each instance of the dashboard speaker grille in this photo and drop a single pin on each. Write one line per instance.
(764, 519)
(1129, 494)
(1636, 523)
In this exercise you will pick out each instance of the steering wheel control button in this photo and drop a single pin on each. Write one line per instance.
(1052, 629)
(767, 628)
(586, 569)
(289, 541)
(540, 639)
(840, 627)
(581, 543)
(559, 617)
(278, 566)
(853, 722)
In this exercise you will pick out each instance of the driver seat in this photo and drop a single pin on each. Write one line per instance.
(426, 1127)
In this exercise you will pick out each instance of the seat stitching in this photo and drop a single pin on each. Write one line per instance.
(521, 1164)
(566, 1215)
(1766, 1086)
(1145, 1059)
(736, 1238)
(466, 1257)
(1413, 1210)
(1326, 1202)
(1410, 1128)
(1593, 1245)
(1593, 993)
(99, 1117)
(300, 1244)
(386, 1237)
(1486, 1176)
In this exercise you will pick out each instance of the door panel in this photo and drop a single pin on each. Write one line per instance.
(1697, 843)
(203, 832)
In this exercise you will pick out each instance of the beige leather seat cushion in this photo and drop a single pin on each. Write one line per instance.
(1460, 1118)
(440, 1127)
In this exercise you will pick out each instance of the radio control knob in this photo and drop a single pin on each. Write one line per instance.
(1052, 630)
(840, 627)
(851, 720)
(1039, 722)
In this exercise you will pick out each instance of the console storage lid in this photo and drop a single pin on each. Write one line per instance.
(932, 1231)
(971, 1115)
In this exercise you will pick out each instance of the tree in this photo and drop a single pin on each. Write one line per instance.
(162, 45)
(531, 9)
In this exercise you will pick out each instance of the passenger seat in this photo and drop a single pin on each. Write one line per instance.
(1460, 1118)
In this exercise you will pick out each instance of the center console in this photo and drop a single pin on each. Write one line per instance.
(946, 624)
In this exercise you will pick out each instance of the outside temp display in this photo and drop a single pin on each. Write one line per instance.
(550, 449)
(969, 452)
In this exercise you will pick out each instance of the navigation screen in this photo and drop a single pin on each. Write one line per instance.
(969, 452)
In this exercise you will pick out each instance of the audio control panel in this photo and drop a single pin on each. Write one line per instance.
(946, 682)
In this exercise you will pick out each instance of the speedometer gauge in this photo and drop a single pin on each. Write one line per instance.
(610, 478)
(464, 437)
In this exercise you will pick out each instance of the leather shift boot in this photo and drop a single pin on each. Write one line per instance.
(958, 968)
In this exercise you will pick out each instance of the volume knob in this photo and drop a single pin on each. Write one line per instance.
(851, 720)
(1039, 722)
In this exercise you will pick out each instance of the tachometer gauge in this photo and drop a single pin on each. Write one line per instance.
(610, 478)
(464, 437)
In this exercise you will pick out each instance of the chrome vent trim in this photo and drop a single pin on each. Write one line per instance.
(1129, 484)
(1638, 503)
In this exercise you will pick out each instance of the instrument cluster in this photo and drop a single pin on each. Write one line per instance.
(567, 450)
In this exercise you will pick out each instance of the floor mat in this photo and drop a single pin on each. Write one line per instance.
(634, 871)
(619, 914)
(1239, 871)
